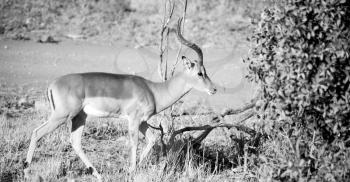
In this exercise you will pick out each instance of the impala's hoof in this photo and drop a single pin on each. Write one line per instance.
(89, 170)
(25, 164)
(132, 169)
(26, 173)
(92, 171)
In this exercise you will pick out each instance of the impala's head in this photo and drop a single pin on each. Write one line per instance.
(195, 71)
(197, 77)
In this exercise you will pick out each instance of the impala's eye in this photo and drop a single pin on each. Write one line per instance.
(200, 74)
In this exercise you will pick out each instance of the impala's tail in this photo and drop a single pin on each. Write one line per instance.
(50, 98)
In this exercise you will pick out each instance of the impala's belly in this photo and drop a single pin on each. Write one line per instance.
(103, 107)
(93, 111)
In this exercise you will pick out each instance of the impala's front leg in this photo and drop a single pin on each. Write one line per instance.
(134, 139)
(151, 139)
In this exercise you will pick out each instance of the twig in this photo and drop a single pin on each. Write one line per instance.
(163, 70)
(202, 136)
(237, 111)
(177, 58)
(218, 117)
(162, 140)
(163, 73)
(245, 165)
(176, 115)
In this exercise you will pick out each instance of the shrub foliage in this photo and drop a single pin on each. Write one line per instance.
(300, 61)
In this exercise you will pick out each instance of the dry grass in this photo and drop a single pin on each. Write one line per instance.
(223, 156)
(105, 142)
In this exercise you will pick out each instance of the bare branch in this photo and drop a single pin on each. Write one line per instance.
(166, 19)
(162, 139)
(218, 121)
(238, 111)
(201, 137)
(226, 112)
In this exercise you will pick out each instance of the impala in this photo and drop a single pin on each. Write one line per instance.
(74, 96)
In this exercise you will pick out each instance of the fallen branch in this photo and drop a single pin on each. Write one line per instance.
(209, 128)
(219, 120)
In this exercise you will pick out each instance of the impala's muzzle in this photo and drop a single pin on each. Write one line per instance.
(211, 88)
(212, 91)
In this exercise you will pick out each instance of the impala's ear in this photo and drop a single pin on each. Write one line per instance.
(188, 64)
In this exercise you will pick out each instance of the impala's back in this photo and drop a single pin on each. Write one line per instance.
(98, 94)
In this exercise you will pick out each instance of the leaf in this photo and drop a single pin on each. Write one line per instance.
(309, 66)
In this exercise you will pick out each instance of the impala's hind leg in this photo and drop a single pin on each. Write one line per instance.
(47, 127)
(134, 139)
(78, 123)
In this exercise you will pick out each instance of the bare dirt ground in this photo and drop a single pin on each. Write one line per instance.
(29, 63)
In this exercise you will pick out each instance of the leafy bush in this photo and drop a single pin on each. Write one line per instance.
(301, 63)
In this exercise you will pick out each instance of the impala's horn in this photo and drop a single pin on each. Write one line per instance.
(188, 43)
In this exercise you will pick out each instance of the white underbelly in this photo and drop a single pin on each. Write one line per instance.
(92, 111)
(107, 107)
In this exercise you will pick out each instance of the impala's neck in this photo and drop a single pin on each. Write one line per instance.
(168, 92)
